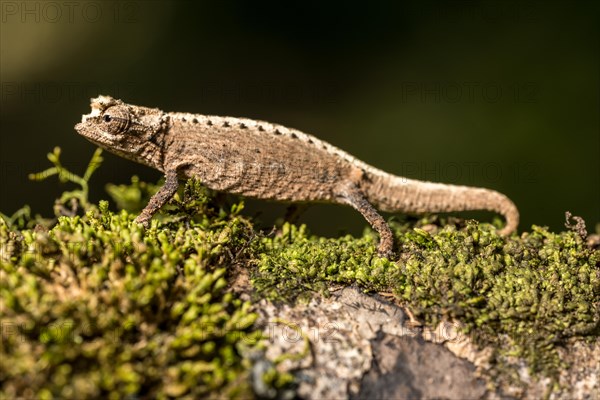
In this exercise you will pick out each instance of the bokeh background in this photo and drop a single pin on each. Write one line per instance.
(500, 94)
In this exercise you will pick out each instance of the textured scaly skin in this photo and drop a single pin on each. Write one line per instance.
(267, 161)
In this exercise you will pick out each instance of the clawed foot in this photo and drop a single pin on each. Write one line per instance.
(143, 220)
(386, 252)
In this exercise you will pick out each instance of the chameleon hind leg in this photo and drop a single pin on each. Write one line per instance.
(353, 197)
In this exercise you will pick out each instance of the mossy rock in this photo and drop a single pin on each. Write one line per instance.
(92, 305)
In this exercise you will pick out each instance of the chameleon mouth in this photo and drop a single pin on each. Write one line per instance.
(96, 136)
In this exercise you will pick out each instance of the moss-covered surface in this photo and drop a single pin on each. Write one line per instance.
(95, 306)
(522, 295)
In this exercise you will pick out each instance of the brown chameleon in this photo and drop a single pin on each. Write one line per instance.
(268, 161)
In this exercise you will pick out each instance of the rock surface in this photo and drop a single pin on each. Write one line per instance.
(357, 346)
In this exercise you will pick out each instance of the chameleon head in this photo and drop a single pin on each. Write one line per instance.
(129, 131)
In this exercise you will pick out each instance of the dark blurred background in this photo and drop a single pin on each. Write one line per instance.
(500, 94)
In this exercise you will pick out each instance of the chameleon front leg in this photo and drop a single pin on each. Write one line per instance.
(159, 199)
(353, 197)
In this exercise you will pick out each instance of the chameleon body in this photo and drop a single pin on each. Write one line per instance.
(268, 161)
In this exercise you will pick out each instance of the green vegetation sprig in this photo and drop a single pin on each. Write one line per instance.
(76, 197)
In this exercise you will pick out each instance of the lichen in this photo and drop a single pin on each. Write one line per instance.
(93, 305)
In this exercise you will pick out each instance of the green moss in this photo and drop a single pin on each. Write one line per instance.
(98, 307)
(95, 306)
(536, 290)
(294, 264)
(522, 295)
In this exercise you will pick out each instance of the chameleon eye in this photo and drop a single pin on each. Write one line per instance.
(116, 119)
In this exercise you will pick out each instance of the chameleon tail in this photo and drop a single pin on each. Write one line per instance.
(397, 194)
